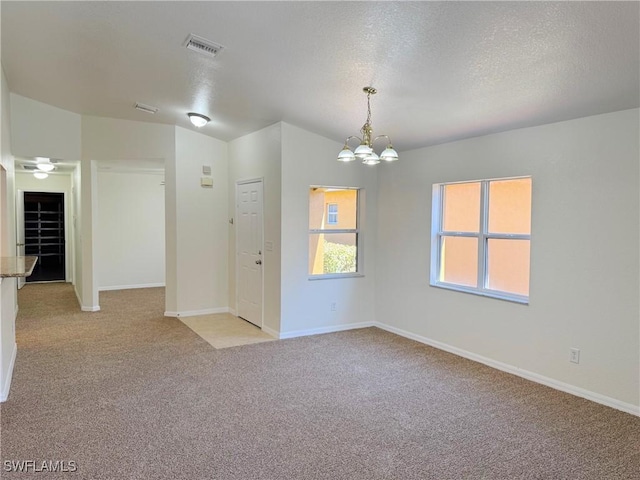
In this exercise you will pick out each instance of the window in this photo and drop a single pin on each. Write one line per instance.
(333, 240)
(332, 213)
(481, 236)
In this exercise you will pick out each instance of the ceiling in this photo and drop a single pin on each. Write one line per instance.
(443, 70)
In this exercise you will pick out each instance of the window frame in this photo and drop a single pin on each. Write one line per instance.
(356, 231)
(483, 236)
(329, 213)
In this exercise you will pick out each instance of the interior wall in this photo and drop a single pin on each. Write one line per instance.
(253, 156)
(105, 139)
(25, 181)
(201, 225)
(130, 249)
(309, 159)
(39, 129)
(8, 286)
(584, 254)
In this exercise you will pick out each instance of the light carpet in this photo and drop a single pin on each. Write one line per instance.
(129, 394)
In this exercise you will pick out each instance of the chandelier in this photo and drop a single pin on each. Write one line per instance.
(364, 151)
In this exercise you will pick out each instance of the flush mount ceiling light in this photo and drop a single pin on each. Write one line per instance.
(40, 175)
(198, 119)
(364, 151)
(44, 164)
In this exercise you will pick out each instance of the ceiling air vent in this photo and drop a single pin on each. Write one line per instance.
(146, 108)
(202, 45)
(30, 167)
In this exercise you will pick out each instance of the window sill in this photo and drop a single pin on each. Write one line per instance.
(333, 276)
(484, 293)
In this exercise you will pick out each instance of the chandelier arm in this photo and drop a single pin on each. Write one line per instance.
(382, 136)
(346, 142)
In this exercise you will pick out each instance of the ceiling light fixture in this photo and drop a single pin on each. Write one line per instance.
(198, 119)
(40, 175)
(44, 164)
(364, 151)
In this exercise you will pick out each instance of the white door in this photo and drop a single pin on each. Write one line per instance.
(20, 231)
(249, 251)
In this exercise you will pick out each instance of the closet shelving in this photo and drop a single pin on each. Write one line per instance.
(44, 232)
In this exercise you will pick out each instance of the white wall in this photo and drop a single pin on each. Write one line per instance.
(113, 139)
(38, 129)
(584, 254)
(308, 159)
(253, 156)
(202, 243)
(8, 286)
(130, 230)
(59, 183)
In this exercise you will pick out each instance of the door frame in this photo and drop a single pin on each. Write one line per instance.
(69, 249)
(245, 181)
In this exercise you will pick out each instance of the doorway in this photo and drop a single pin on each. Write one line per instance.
(249, 284)
(44, 235)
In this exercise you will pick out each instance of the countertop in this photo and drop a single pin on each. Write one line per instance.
(17, 266)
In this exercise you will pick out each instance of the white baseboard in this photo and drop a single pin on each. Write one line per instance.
(534, 377)
(271, 331)
(77, 296)
(193, 313)
(130, 287)
(4, 394)
(94, 308)
(233, 312)
(317, 331)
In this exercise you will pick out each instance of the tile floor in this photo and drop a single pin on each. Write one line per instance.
(223, 330)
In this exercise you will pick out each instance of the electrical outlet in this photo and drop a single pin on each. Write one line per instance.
(574, 355)
(334, 307)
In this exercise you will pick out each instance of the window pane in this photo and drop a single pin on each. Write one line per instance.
(459, 261)
(332, 253)
(510, 206)
(461, 207)
(508, 265)
(345, 201)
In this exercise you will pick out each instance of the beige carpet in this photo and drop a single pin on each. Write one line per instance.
(129, 394)
(223, 330)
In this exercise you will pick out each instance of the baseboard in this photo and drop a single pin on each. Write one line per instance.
(534, 377)
(233, 312)
(130, 287)
(94, 308)
(4, 394)
(77, 296)
(317, 331)
(193, 313)
(271, 331)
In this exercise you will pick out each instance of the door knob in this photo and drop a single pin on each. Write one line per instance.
(258, 262)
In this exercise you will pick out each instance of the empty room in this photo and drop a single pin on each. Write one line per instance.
(320, 240)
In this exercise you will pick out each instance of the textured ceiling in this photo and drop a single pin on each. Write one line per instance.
(443, 70)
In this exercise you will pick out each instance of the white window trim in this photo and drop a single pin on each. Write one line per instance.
(329, 213)
(483, 236)
(359, 254)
